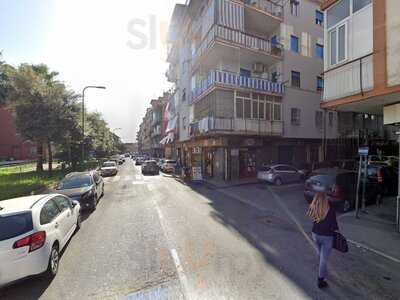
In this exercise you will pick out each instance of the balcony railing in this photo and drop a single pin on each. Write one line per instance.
(274, 8)
(236, 80)
(351, 78)
(210, 125)
(239, 38)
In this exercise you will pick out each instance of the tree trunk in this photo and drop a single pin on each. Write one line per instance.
(50, 154)
(39, 162)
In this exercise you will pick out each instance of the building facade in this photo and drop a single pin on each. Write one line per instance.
(248, 82)
(362, 68)
(12, 144)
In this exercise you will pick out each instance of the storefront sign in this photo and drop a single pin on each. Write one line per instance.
(196, 150)
(363, 151)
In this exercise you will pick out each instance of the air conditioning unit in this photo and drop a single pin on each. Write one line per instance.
(258, 68)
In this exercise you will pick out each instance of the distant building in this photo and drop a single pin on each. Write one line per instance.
(12, 144)
(131, 147)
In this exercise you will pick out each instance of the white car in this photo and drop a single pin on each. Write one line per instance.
(33, 232)
(109, 168)
(168, 166)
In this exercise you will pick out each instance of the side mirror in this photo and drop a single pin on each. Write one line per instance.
(74, 203)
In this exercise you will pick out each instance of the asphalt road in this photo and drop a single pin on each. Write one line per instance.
(153, 237)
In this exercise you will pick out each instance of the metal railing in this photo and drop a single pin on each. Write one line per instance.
(236, 80)
(274, 8)
(246, 40)
(241, 126)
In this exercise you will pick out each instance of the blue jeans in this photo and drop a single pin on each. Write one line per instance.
(324, 245)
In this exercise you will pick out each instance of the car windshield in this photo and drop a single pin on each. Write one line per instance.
(75, 182)
(170, 161)
(109, 164)
(15, 225)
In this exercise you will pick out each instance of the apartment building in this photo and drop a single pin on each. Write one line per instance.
(362, 68)
(248, 82)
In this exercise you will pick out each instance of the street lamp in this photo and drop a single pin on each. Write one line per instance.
(83, 115)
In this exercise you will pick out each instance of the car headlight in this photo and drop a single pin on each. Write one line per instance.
(87, 194)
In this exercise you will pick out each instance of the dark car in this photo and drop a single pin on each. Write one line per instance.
(139, 161)
(150, 167)
(85, 187)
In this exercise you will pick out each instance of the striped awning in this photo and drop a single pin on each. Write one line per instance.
(231, 14)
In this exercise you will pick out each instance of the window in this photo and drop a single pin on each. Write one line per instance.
(15, 225)
(320, 83)
(337, 44)
(183, 95)
(296, 79)
(319, 51)
(255, 109)
(245, 73)
(330, 119)
(277, 112)
(359, 4)
(274, 77)
(338, 12)
(184, 122)
(319, 18)
(62, 203)
(247, 108)
(49, 212)
(294, 43)
(274, 41)
(294, 7)
(295, 116)
(268, 111)
(239, 108)
(318, 119)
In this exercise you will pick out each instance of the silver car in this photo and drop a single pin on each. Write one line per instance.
(280, 174)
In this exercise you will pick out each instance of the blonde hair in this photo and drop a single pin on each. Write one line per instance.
(319, 207)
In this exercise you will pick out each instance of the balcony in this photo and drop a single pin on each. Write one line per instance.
(253, 48)
(211, 125)
(228, 79)
(354, 77)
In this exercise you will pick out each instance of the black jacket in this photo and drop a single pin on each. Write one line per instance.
(328, 226)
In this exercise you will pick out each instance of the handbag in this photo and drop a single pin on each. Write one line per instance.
(340, 243)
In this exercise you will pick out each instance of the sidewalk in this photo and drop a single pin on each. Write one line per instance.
(375, 231)
(220, 184)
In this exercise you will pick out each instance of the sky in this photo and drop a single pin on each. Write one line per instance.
(116, 43)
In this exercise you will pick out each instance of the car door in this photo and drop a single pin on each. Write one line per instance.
(67, 215)
(50, 221)
(294, 174)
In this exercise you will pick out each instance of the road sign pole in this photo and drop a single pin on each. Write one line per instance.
(398, 193)
(358, 188)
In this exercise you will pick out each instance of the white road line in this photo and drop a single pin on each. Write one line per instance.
(387, 256)
(174, 254)
(139, 177)
(137, 182)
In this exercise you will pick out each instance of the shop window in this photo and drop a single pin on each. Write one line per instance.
(261, 110)
(268, 111)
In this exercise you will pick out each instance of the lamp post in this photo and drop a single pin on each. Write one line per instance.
(83, 115)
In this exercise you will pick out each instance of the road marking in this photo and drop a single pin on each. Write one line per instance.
(387, 256)
(174, 254)
(139, 177)
(137, 182)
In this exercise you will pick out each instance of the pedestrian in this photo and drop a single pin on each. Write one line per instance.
(323, 231)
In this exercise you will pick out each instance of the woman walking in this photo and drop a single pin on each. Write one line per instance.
(325, 225)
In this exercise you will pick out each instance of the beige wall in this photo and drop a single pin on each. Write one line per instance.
(393, 42)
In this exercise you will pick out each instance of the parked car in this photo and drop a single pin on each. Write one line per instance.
(280, 174)
(85, 187)
(341, 185)
(33, 232)
(150, 167)
(139, 161)
(109, 168)
(168, 166)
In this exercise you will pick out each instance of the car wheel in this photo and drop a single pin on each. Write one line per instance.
(278, 181)
(54, 261)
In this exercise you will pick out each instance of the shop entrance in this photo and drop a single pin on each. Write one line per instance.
(209, 162)
(247, 163)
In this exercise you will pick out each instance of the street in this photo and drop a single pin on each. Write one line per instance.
(153, 237)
